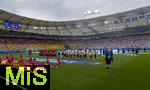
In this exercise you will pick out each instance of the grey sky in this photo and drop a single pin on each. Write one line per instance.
(64, 10)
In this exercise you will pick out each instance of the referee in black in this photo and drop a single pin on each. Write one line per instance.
(108, 59)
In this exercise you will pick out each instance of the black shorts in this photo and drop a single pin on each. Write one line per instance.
(108, 62)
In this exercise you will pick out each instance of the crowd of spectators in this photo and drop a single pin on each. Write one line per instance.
(21, 41)
(17, 43)
(133, 41)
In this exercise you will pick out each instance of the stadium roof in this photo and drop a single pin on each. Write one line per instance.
(7, 16)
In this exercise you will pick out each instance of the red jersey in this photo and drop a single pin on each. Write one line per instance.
(0, 60)
(9, 60)
(58, 61)
(21, 59)
(30, 59)
(34, 62)
(6, 58)
(47, 61)
(12, 58)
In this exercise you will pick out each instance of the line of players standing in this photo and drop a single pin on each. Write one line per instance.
(47, 52)
(10, 60)
(78, 54)
(133, 50)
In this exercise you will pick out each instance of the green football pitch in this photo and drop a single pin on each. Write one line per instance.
(128, 73)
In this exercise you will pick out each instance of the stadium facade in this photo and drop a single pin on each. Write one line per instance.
(130, 23)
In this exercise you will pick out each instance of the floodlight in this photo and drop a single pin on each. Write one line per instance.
(89, 12)
(106, 22)
(85, 13)
(96, 11)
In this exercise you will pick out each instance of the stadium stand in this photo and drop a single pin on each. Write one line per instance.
(15, 43)
(112, 31)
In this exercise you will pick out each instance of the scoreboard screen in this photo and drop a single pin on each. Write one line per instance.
(14, 26)
(17, 26)
(9, 24)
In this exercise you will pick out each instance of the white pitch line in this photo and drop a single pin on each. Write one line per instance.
(13, 83)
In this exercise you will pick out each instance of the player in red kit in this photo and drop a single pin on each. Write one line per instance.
(6, 58)
(34, 62)
(30, 60)
(21, 60)
(58, 62)
(47, 61)
(9, 61)
(1, 60)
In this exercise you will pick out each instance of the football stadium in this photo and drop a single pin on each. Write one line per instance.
(110, 52)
